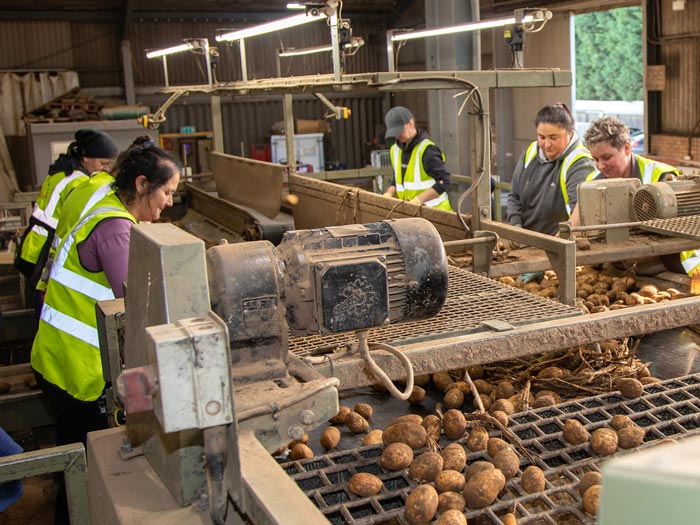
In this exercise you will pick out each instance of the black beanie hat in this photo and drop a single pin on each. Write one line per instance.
(95, 144)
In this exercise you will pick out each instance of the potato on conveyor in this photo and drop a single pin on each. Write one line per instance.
(620, 421)
(373, 437)
(452, 517)
(365, 410)
(543, 401)
(364, 484)
(356, 423)
(504, 390)
(451, 500)
(407, 418)
(449, 481)
(433, 427)
(629, 387)
(417, 396)
(482, 386)
(532, 480)
(476, 467)
(495, 445)
(508, 462)
(421, 380)
(483, 488)
(340, 417)
(330, 438)
(591, 499)
(509, 519)
(441, 380)
(478, 437)
(604, 441)
(588, 480)
(630, 437)
(413, 434)
(485, 400)
(396, 456)
(454, 398)
(502, 405)
(421, 505)
(301, 451)
(425, 467)
(462, 385)
(454, 424)
(575, 433)
(551, 372)
(454, 457)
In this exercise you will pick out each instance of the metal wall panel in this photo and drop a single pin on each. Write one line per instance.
(35, 45)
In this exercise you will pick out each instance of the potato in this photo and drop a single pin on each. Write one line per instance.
(482, 386)
(30, 381)
(454, 457)
(478, 438)
(604, 441)
(433, 427)
(449, 481)
(502, 405)
(301, 451)
(550, 393)
(634, 299)
(441, 380)
(509, 519)
(501, 416)
(662, 296)
(548, 292)
(643, 372)
(475, 467)
(543, 401)
(591, 499)
(532, 480)
(620, 421)
(452, 517)
(364, 484)
(373, 437)
(629, 387)
(365, 410)
(339, 418)
(507, 462)
(396, 456)
(504, 390)
(483, 488)
(649, 380)
(462, 385)
(574, 432)
(495, 445)
(356, 423)
(304, 439)
(408, 418)
(5, 387)
(551, 372)
(417, 396)
(451, 501)
(598, 309)
(421, 505)
(598, 299)
(648, 290)
(485, 400)
(532, 287)
(425, 467)
(412, 434)
(588, 480)
(454, 424)
(630, 437)
(454, 398)
(330, 438)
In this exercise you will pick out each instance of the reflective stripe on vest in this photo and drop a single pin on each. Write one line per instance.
(690, 259)
(71, 326)
(416, 180)
(101, 192)
(579, 152)
(46, 215)
(651, 170)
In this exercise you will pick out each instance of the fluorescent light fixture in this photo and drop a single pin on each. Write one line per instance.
(295, 5)
(470, 26)
(170, 50)
(275, 25)
(291, 52)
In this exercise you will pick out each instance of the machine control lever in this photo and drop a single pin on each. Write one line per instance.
(136, 387)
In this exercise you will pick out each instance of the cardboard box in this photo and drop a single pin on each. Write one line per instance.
(312, 126)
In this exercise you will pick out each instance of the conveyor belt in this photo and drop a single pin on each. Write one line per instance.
(471, 301)
(667, 409)
(687, 227)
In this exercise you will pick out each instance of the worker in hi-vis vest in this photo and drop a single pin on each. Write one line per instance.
(420, 175)
(608, 140)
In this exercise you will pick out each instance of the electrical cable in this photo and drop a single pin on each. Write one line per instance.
(364, 351)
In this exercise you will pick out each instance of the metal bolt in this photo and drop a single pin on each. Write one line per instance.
(307, 417)
(126, 445)
(295, 432)
(201, 503)
(319, 266)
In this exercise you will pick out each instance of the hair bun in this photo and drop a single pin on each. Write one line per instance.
(145, 141)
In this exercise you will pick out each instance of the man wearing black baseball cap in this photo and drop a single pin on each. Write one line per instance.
(420, 175)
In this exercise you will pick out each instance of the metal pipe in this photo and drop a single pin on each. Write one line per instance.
(335, 46)
(244, 63)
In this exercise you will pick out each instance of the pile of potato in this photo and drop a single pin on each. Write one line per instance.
(599, 290)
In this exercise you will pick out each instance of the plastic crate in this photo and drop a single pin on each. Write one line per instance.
(380, 158)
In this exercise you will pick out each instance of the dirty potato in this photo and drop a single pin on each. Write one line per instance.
(478, 438)
(629, 387)
(462, 385)
(408, 418)
(551, 372)
(373, 437)
(591, 499)
(604, 441)
(543, 401)
(454, 424)
(450, 500)
(300, 451)
(365, 410)
(485, 400)
(508, 462)
(501, 416)
(414, 435)
(550, 393)
(417, 396)
(454, 457)
(475, 467)
(588, 480)
(454, 398)
(630, 437)
(330, 438)
(425, 467)
(495, 445)
(433, 427)
(441, 380)
(449, 481)
(364, 484)
(649, 380)
(504, 390)
(356, 423)
(340, 417)
(452, 517)
(421, 505)
(509, 519)
(532, 480)
(483, 488)
(574, 432)
(396, 456)
(502, 405)
(482, 386)
(620, 421)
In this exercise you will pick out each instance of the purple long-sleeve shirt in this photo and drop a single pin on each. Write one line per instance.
(107, 249)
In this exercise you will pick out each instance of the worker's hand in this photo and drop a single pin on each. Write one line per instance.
(388, 194)
(416, 200)
(530, 277)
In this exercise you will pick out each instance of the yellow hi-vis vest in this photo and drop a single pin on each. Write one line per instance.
(66, 350)
(579, 152)
(416, 180)
(46, 213)
(651, 170)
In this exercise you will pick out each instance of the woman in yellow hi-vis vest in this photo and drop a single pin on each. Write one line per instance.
(420, 176)
(608, 140)
(92, 151)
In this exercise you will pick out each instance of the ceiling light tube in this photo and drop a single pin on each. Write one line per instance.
(291, 52)
(275, 25)
(170, 50)
(295, 5)
(470, 26)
